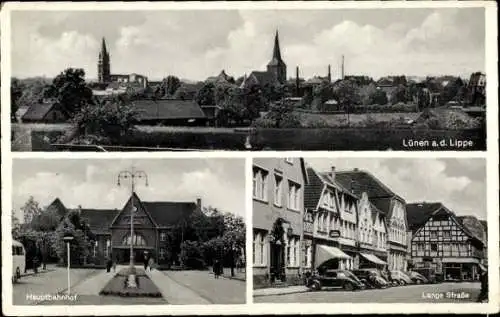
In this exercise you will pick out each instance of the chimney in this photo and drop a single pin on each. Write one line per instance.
(297, 81)
(198, 202)
(80, 209)
(342, 68)
(329, 73)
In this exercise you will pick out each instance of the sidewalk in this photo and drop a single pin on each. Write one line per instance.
(94, 284)
(49, 268)
(279, 290)
(175, 293)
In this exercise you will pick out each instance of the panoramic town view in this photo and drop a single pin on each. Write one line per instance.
(392, 79)
(128, 232)
(361, 230)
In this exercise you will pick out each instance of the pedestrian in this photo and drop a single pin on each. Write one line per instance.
(150, 263)
(483, 295)
(108, 265)
(145, 261)
(114, 263)
(216, 269)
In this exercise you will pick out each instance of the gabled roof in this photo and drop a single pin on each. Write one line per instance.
(263, 78)
(358, 181)
(221, 78)
(38, 111)
(474, 226)
(169, 213)
(276, 60)
(167, 109)
(58, 207)
(99, 220)
(418, 213)
(312, 192)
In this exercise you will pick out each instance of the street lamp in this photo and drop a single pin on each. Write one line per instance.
(133, 175)
(68, 238)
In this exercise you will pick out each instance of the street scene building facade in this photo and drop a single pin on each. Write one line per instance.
(351, 221)
(153, 224)
(446, 243)
(278, 209)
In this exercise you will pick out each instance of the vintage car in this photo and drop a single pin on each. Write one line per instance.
(417, 278)
(400, 277)
(372, 278)
(334, 279)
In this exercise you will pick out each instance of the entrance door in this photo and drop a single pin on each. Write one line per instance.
(277, 263)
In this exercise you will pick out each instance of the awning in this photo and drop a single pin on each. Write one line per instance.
(373, 258)
(325, 253)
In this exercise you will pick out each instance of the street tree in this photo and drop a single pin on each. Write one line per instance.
(346, 93)
(16, 92)
(171, 84)
(73, 225)
(105, 121)
(16, 226)
(70, 90)
(30, 209)
(206, 94)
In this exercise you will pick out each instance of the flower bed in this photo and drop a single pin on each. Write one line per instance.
(117, 286)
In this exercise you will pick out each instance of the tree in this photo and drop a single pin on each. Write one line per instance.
(45, 221)
(16, 92)
(321, 94)
(70, 90)
(399, 95)
(281, 115)
(171, 84)
(347, 95)
(73, 225)
(191, 254)
(454, 90)
(30, 209)
(106, 121)
(206, 95)
(16, 226)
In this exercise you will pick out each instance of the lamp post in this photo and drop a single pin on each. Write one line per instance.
(68, 238)
(133, 175)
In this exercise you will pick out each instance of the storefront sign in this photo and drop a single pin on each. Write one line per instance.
(334, 233)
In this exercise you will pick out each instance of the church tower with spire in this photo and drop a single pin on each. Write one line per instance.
(277, 66)
(103, 65)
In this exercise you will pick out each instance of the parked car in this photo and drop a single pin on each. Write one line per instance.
(401, 278)
(417, 278)
(334, 278)
(372, 278)
(430, 274)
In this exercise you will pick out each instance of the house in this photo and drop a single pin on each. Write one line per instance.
(222, 78)
(169, 112)
(330, 222)
(389, 204)
(153, 221)
(45, 112)
(444, 242)
(278, 211)
(476, 89)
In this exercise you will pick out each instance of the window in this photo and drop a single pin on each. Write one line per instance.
(254, 258)
(108, 245)
(137, 240)
(289, 160)
(162, 253)
(262, 253)
(260, 184)
(434, 247)
(447, 234)
(293, 196)
(434, 235)
(278, 181)
(163, 236)
(96, 245)
(306, 256)
(288, 257)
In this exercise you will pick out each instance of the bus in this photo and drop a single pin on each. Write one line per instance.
(18, 260)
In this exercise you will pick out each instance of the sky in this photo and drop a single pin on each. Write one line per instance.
(92, 183)
(460, 184)
(195, 44)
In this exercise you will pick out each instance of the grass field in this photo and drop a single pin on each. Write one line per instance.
(340, 120)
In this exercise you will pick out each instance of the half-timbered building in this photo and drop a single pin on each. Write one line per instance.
(442, 242)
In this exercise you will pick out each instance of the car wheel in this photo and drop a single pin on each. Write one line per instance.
(419, 282)
(402, 283)
(315, 286)
(348, 287)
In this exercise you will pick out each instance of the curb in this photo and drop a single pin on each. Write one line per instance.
(279, 294)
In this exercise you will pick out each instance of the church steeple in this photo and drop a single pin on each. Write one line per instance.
(277, 66)
(103, 65)
(276, 50)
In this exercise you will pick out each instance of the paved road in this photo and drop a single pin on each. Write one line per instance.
(401, 294)
(216, 291)
(47, 283)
